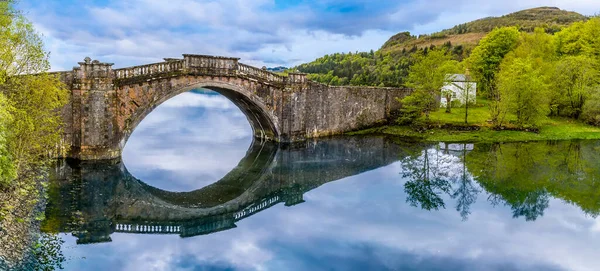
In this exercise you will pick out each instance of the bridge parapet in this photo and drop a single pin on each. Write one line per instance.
(297, 78)
(211, 65)
(254, 72)
(150, 69)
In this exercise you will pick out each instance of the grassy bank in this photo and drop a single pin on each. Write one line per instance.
(551, 129)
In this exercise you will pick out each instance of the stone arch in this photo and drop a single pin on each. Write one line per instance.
(263, 121)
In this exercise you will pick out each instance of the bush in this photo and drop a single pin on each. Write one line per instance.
(591, 109)
(456, 104)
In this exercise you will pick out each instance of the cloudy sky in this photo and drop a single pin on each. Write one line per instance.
(261, 32)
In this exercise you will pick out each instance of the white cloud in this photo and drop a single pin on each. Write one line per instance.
(142, 31)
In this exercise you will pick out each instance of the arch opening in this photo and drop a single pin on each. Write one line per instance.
(262, 120)
(188, 142)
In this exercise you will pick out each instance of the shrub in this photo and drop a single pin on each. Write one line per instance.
(591, 109)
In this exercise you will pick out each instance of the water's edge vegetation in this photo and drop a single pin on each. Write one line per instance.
(30, 131)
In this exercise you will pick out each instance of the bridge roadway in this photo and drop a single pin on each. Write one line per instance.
(107, 104)
(95, 199)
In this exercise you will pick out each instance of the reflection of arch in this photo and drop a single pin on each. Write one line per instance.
(257, 162)
(261, 119)
(105, 198)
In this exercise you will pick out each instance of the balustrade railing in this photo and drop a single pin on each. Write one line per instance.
(201, 63)
(244, 69)
(150, 69)
(210, 62)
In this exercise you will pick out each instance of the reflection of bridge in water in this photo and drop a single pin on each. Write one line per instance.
(94, 200)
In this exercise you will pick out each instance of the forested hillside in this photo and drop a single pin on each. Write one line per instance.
(389, 65)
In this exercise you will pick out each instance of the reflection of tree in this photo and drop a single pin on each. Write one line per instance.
(433, 173)
(47, 253)
(428, 179)
(532, 205)
(466, 192)
(525, 175)
(22, 246)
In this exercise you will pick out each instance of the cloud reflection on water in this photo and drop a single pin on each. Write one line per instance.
(188, 142)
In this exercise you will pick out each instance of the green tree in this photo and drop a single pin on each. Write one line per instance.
(591, 109)
(580, 38)
(523, 90)
(574, 79)
(427, 77)
(34, 98)
(485, 61)
(7, 168)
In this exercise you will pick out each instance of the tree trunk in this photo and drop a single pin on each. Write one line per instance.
(467, 106)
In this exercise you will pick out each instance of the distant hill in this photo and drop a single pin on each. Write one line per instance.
(389, 65)
(277, 69)
(468, 34)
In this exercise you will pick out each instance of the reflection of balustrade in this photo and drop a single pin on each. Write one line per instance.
(250, 71)
(140, 228)
(208, 225)
(150, 69)
(252, 209)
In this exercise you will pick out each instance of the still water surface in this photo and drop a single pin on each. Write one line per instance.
(194, 192)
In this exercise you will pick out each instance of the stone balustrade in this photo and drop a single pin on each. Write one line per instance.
(297, 78)
(150, 69)
(247, 70)
(202, 63)
(214, 62)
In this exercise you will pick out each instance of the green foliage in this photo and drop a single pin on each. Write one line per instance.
(427, 77)
(580, 38)
(485, 63)
(366, 68)
(591, 109)
(21, 48)
(32, 101)
(574, 79)
(7, 167)
(522, 90)
(36, 127)
(486, 58)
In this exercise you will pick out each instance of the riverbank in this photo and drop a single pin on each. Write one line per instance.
(450, 127)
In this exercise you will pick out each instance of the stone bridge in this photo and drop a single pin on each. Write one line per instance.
(95, 199)
(107, 104)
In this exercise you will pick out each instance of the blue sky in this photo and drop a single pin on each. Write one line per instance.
(261, 32)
